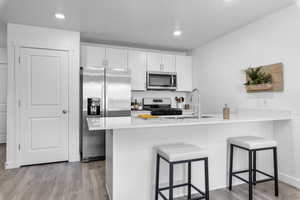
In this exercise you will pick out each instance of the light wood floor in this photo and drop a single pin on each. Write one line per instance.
(85, 181)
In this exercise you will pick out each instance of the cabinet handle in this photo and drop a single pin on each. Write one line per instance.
(161, 67)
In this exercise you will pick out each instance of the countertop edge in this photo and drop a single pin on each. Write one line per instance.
(193, 123)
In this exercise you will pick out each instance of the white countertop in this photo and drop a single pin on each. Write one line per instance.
(106, 123)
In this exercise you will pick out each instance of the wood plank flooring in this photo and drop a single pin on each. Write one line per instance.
(85, 181)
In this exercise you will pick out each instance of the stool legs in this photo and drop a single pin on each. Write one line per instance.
(252, 170)
(275, 171)
(171, 181)
(254, 167)
(250, 176)
(157, 177)
(206, 179)
(189, 180)
(230, 167)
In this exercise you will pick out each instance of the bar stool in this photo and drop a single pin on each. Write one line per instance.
(252, 145)
(178, 154)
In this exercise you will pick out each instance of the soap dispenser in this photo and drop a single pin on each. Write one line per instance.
(226, 112)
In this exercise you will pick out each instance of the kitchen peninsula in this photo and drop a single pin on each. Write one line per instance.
(131, 142)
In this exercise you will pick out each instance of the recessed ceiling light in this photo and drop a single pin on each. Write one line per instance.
(59, 16)
(228, 1)
(177, 33)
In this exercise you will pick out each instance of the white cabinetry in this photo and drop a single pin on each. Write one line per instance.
(137, 61)
(160, 62)
(97, 56)
(117, 58)
(184, 73)
(168, 62)
(154, 62)
(92, 56)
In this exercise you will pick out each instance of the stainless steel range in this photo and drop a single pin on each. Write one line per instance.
(160, 106)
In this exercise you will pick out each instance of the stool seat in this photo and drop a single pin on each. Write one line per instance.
(251, 142)
(181, 152)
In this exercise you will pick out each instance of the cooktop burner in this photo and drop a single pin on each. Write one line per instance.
(166, 111)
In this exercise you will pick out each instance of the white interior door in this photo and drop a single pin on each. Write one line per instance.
(42, 79)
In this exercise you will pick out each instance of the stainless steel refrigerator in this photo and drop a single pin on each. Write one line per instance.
(104, 93)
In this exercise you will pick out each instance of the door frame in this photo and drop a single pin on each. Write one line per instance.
(19, 36)
(19, 135)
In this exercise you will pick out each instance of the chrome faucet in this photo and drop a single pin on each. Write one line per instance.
(195, 99)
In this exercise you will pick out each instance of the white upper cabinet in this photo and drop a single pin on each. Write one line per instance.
(117, 58)
(92, 56)
(168, 62)
(160, 62)
(184, 73)
(154, 62)
(137, 63)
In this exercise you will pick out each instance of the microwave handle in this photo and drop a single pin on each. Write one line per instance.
(172, 80)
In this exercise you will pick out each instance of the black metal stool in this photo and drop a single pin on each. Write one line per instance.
(179, 154)
(253, 145)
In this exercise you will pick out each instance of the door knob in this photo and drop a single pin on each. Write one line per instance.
(64, 111)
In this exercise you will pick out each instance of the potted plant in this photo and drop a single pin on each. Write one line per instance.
(258, 80)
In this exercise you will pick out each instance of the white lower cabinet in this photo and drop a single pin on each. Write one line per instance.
(184, 73)
(137, 63)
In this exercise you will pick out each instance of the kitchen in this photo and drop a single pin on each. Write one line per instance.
(114, 114)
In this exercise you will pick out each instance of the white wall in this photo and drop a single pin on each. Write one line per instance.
(3, 81)
(218, 74)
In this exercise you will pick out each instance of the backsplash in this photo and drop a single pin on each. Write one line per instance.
(139, 95)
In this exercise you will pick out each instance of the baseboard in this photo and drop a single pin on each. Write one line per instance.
(11, 165)
(290, 180)
(74, 158)
(2, 139)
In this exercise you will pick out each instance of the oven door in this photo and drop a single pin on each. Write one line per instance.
(161, 81)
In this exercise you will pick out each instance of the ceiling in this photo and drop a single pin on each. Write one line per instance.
(142, 23)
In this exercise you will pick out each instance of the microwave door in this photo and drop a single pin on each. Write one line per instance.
(161, 81)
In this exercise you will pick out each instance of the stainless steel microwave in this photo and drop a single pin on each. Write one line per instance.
(161, 80)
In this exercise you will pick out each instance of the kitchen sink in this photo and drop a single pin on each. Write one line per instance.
(186, 117)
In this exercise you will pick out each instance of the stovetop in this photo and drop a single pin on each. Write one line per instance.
(166, 111)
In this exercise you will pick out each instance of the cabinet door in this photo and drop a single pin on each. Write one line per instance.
(154, 62)
(92, 56)
(137, 65)
(117, 58)
(168, 62)
(184, 73)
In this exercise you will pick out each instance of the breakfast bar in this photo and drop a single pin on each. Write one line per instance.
(131, 142)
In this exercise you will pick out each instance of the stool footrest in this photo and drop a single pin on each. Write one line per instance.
(238, 177)
(174, 186)
(271, 178)
(263, 173)
(198, 190)
(182, 185)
